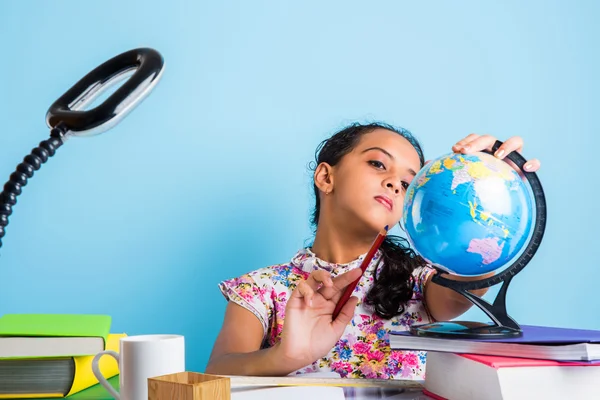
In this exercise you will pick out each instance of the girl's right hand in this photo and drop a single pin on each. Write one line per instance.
(309, 332)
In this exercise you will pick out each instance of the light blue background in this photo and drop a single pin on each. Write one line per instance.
(208, 178)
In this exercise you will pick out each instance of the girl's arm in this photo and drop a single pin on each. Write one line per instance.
(445, 304)
(309, 332)
(237, 348)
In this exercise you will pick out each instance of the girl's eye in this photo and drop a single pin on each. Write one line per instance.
(405, 185)
(377, 164)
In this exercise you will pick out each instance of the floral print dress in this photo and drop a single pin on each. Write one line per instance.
(363, 351)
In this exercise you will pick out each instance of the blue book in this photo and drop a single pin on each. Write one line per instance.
(538, 342)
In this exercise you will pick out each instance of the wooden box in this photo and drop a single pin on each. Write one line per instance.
(189, 386)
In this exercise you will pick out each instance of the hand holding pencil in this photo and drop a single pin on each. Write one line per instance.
(318, 312)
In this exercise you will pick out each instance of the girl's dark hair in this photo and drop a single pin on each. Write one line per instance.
(392, 287)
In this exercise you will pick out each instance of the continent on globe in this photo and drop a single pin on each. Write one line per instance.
(459, 177)
(487, 248)
(465, 170)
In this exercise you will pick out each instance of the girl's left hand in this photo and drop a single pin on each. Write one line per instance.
(474, 142)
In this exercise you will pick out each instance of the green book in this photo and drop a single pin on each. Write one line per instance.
(52, 335)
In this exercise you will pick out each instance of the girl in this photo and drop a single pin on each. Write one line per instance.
(278, 319)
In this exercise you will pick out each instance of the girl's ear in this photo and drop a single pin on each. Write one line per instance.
(324, 178)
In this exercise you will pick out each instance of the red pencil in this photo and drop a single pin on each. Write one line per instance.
(365, 263)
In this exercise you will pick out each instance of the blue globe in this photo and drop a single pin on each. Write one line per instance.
(468, 214)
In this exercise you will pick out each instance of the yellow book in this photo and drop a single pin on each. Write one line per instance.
(83, 376)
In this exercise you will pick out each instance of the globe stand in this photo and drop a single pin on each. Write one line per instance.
(66, 116)
(502, 325)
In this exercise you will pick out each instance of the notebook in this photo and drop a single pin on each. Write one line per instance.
(538, 342)
(477, 377)
(318, 391)
(287, 393)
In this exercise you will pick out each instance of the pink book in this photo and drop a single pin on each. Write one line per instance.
(507, 362)
(480, 377)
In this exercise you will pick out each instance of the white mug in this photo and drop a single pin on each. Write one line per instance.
(142, 357)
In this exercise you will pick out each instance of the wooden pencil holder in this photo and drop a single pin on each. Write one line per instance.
(189, 386)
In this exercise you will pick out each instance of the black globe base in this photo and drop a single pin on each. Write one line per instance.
(464, 330)
(502, 325)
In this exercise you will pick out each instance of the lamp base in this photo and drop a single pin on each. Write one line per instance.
(464, 330)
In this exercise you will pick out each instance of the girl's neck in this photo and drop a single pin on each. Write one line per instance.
(339, 246)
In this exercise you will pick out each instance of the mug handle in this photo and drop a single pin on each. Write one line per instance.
(101, 379)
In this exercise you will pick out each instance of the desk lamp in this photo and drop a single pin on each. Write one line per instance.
(66, 117)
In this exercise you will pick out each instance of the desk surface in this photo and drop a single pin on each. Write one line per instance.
(97, 392)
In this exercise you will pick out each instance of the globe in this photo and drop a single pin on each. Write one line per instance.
(468, 214)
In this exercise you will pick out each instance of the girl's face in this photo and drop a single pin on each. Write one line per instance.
(368, 185)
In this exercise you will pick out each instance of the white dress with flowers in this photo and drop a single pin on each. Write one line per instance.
(363, 351)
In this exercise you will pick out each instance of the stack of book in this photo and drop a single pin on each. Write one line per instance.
(50, 355)
(544, 363)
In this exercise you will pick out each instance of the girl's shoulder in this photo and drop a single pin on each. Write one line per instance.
(286, 274)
